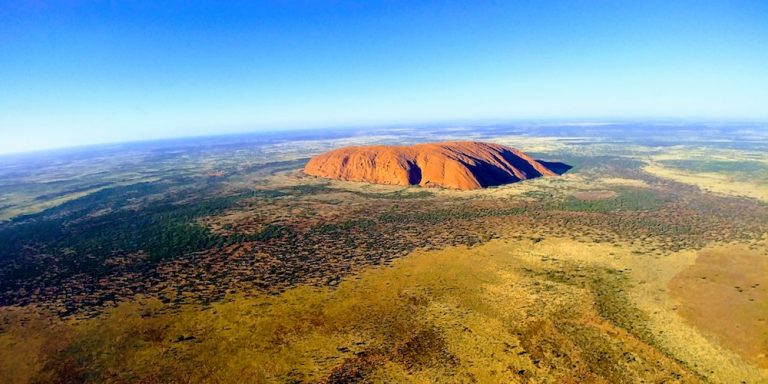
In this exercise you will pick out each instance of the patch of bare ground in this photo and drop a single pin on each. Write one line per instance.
(725, 294)
(647, 308)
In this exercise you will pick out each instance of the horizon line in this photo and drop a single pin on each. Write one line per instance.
(575, 121)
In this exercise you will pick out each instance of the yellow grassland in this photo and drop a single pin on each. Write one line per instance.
(508, 311)
(713, 182)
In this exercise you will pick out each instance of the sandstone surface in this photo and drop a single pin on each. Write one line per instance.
(459, 165)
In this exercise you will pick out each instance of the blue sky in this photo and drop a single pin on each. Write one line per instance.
(79, 72)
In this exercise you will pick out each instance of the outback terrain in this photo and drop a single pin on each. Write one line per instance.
(222, 260)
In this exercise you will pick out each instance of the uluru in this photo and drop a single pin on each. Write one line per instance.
(461, 165)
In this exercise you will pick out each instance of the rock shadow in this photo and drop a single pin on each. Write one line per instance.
(414, 174)
(556, 167)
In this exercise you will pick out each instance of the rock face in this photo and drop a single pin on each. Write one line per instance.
(454, 165)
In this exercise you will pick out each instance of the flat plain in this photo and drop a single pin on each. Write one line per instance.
(218, 260)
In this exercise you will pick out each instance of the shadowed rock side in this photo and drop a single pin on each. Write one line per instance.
(454, 165)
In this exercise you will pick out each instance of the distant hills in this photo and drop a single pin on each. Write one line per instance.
(461, 165)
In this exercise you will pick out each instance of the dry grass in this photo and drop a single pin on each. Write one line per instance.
(594, 195)
(546, 312)
(623, 182)
(725, 293)
(731, 180)
(713, 182)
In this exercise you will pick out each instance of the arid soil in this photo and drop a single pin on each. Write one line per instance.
(725, 294)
